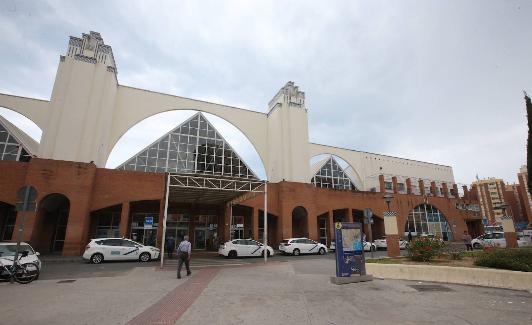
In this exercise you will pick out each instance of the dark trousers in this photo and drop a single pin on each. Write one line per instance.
(182, 258)
(469, 247)
(169, 250)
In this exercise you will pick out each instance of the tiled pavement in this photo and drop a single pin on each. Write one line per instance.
(169, 308)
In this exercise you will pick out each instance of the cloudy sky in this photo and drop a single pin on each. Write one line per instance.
(437, 81)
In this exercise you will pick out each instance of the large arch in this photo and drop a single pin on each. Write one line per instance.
(52, 216)
(8, 218)
(300, 222)
(23, 123)
(242, 145)
(134, 105)
(36, 110)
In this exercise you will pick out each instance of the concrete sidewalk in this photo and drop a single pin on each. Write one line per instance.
(96, 300)
(300, 293)
(283, 292)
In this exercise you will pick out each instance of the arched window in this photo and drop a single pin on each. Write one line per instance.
(195, 147)
(332, 175)
(427, 220)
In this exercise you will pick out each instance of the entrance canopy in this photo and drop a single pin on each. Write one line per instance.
(185, 188)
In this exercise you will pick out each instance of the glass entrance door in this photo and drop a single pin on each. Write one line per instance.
(145, 235)
(199, 239)
(177, 234)
(322, 224)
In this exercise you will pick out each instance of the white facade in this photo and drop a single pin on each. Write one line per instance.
(89, 112)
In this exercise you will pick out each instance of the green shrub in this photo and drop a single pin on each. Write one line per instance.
(519, 259)
(456, 255)
(424, 249)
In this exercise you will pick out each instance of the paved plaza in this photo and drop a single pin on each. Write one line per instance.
(286, 291)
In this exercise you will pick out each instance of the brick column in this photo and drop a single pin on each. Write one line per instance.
(381, 184)
(392, 236)
(349, 215)
(124, 220)
(455, 190)
(312, 225)
(394, 185)
(445, 190)
(433, 188)
(421, 187)
(31, 227)
(77, 230)
(466, 192)
(509, 232)
(408, 186)
(330, 225)
(255, 224)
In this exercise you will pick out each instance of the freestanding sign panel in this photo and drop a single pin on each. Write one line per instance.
(349, 249)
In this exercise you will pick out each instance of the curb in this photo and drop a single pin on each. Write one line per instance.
(62, 260)
(484, 277)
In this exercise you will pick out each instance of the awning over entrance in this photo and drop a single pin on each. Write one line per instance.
(209, 190)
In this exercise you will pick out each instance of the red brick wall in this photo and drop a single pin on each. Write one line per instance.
(318, 201)
(89, 188)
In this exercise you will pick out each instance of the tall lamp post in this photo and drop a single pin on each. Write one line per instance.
(388, 198)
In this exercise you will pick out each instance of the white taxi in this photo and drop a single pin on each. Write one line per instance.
(118, 249)
(497, 239)
(7, 254)
(381, 243)
(243, 247)
(297, 246)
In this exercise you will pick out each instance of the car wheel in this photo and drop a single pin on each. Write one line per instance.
(232, 254)
(372, 248)
(97, 258)
(321, 251)
(145, 257)
(477, 246)
(296, 252)
(269, 254)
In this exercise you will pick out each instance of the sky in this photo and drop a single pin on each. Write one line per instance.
(436, 81)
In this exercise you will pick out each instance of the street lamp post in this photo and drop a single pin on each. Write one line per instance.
(388, 198)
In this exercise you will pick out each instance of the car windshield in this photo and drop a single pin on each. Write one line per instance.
(9, 250)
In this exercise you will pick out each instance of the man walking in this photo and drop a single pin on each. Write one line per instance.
(467, 241)
(183, 256)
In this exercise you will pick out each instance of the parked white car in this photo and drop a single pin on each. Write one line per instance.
(118, 249)
(367, 246)
(496, 239)
(297, 246)
(381, 243)
(243, 247)
(7, 254)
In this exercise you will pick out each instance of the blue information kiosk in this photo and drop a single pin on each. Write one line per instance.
(350, 263)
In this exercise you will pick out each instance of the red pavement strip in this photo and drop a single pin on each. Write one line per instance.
(172, 306)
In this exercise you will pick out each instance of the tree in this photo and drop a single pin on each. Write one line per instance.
(528, 149)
